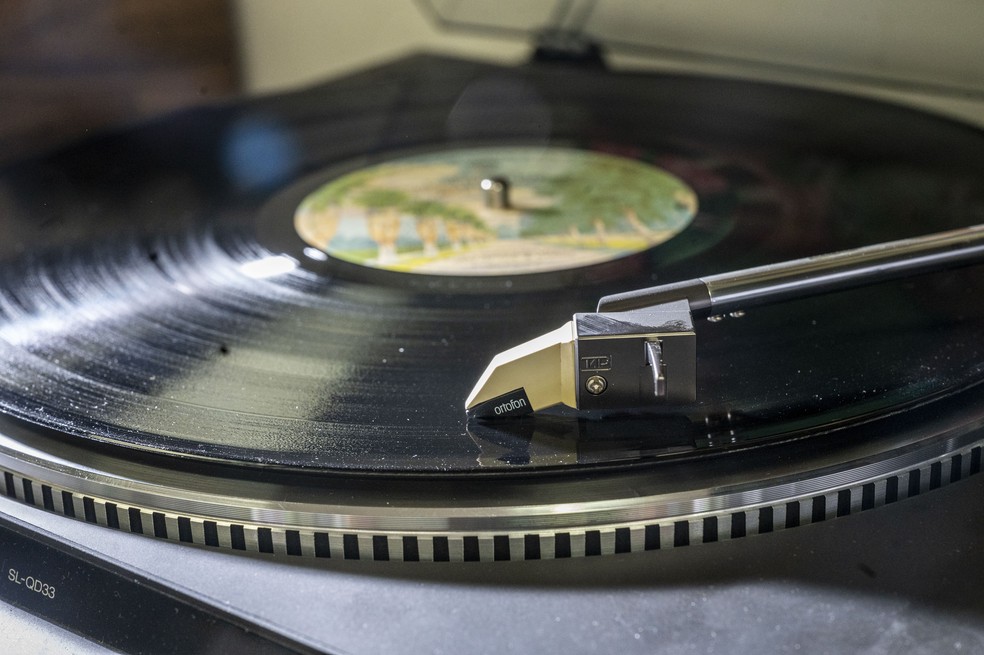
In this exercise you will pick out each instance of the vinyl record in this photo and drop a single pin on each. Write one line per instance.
(255, 326)
(158, 297)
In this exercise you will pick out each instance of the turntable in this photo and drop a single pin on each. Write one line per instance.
(239, 344)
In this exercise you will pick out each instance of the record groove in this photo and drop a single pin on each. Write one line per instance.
(431, 534)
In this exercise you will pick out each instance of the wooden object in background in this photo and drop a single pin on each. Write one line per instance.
(72, 67)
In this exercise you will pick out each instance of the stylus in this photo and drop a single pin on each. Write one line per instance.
(639, 348)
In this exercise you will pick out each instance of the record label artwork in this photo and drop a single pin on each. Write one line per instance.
(495, 211)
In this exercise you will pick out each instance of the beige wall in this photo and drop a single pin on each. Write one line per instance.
(294, 42)
(288, 43)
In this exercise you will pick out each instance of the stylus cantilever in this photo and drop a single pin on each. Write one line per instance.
(639, 348)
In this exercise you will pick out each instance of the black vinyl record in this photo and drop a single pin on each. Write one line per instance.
(132, 312)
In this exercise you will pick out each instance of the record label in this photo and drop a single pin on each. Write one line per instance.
(495, 211)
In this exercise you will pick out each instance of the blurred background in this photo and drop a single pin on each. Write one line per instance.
(72, 67)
